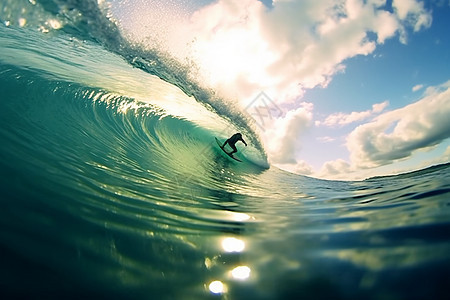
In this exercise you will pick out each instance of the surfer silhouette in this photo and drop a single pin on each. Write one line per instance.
(232, 142)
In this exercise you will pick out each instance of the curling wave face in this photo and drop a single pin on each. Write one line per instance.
(112, 185)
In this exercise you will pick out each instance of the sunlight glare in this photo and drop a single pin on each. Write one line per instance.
(231, 244)
(241, 272)
(247, 55)
(240, 217)
(217, 287)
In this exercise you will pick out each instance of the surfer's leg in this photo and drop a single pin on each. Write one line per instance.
(234, 149)
(227, 141)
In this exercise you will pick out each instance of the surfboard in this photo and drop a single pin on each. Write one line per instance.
(230, 155)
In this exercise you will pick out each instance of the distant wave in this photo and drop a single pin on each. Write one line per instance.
(432, 169)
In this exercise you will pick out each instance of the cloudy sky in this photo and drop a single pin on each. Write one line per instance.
(339, 89)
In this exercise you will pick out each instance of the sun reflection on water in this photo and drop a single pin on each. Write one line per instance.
(239, 217)
(235, 247)
(241, 272)
(217, 287)
(231, 244)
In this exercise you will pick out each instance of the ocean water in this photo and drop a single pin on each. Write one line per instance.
(112, 185)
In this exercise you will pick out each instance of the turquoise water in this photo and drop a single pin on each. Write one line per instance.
(112, 186)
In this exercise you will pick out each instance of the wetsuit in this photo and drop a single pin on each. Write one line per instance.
(233, 140)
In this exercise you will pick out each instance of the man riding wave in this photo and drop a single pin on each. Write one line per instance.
(232, 142)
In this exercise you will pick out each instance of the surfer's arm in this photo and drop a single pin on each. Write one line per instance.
(244, 142)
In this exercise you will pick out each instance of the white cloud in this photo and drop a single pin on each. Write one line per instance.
(302, 167)
(417, 87)
(283, 135)
(413, 12)
(332, 169)
(379, 107)
(299, 167)
(397, 134)
(344, 119)
(242, 48)
(326, 139)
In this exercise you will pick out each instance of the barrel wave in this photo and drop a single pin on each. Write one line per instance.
(112, 185)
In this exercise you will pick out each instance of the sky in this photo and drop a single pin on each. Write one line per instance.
(338, 89)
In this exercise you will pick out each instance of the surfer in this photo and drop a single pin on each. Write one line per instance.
(233, 140)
